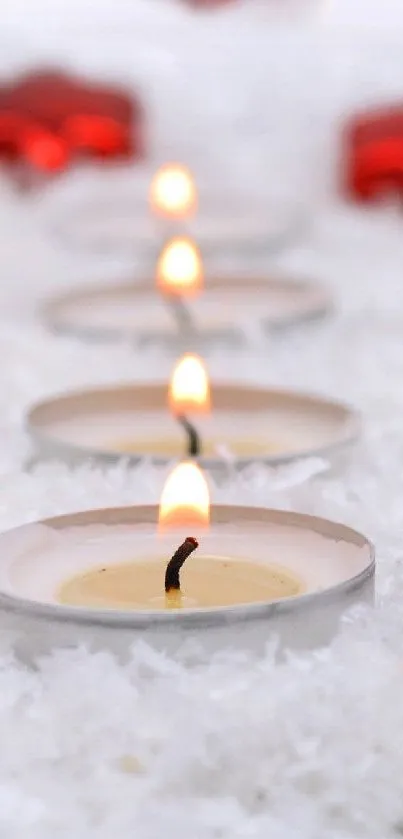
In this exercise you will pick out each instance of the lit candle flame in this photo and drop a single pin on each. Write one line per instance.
(189, 388)
(179, 268)
(185, 499)
(173, 192)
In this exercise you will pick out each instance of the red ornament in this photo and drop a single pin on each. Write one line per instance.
(373, 163)
(48, 119)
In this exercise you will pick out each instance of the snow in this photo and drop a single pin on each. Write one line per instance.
(233, 747)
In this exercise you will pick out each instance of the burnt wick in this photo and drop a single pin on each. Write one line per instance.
(194, 442)
(172, 582)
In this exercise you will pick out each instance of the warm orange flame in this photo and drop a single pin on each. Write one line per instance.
(179, 268)
(185, 499)
(190, 388)
(172, 192)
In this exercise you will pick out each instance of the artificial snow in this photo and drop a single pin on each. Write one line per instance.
(234, 747)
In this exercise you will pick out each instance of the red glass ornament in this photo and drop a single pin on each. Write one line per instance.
(47, 119)
(373, 159)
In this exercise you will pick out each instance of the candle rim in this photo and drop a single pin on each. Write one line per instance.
(203, 617)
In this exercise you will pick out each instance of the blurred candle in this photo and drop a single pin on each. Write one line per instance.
(189, 388)
(173, 192)
(179, 268)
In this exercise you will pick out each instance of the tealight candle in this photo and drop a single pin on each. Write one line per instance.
(228, 310)
(234, 423)
(107, 578)
(132, 212)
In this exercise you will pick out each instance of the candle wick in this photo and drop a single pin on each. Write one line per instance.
(183, 318)
(194, 442)
(172, 582)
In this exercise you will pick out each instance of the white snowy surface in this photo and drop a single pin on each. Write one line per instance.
(234, 748)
